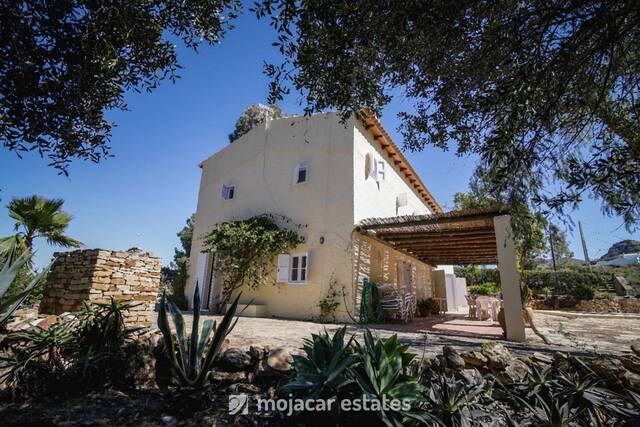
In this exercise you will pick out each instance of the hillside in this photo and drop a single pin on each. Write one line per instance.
(622, 247)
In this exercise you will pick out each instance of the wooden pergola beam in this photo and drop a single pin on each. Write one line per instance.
(454, 255)
(461, 244)
(457, 256)
(448, 242)
(466, 261)
(407, 235)
(488, 249)
(448, 236)
(486, 219)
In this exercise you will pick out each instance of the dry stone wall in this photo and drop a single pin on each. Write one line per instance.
(96, 275)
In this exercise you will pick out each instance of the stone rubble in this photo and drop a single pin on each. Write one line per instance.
(234, 360)
(496, 359)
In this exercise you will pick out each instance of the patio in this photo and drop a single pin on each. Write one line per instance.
(456, 324)
(481, 236)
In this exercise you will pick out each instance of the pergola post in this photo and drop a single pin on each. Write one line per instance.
(509, 278)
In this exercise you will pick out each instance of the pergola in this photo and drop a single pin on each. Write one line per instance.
(480, 236)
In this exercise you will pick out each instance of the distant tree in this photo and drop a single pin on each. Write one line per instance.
(65, 63)
(39, 217)
(35, 217)
(254, 115)
(528, 226)
(561, 249)
(176, 275)
(543, 91)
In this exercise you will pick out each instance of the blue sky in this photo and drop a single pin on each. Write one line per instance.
(142, 196)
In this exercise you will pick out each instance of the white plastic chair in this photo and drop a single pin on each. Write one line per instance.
(473, 308)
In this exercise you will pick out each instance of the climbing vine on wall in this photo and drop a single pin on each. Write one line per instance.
(329, 304)
(245, 250)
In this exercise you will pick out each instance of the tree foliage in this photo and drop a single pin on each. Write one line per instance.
(543, 91)
(66, 62)
(175, 276)
(245, 249)
(528, 226)
(561, 249)
(39, 217)
(254, 115)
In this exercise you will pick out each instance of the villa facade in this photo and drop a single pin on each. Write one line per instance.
(328, 175)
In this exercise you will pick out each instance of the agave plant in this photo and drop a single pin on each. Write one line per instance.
(321, 372)
(195, 356)
(382, 374)
(8, 273)
(40, 359)
(101, 326)
(451, 402)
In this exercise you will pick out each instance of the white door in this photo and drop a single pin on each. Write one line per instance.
(450, 292)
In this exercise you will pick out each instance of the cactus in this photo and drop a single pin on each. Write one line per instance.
(191, 368)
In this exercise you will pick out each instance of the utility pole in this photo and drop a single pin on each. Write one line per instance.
(556, 303)
(584, 246)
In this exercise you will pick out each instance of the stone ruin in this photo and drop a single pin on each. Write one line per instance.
(95, 275)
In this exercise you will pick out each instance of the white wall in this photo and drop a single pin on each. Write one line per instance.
(260, 164)
(378, 199)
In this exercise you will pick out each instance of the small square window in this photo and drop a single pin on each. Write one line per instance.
(301, 173)
(228, 192)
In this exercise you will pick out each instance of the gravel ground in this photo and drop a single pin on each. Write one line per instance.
(578, 335)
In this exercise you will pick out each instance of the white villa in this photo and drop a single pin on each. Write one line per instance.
(333, 177)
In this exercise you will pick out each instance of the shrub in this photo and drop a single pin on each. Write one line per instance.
(603, 296)
(584, 292)
(477, 276)
(487, 288)
(69, 357)
(561, 282)
(428, 306)
(545, 292)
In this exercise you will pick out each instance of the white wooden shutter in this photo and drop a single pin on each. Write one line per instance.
(283, 268)
(308, 255)
(379, 170)
(369, 167)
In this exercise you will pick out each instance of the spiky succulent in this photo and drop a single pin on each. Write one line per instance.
(195, 355)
